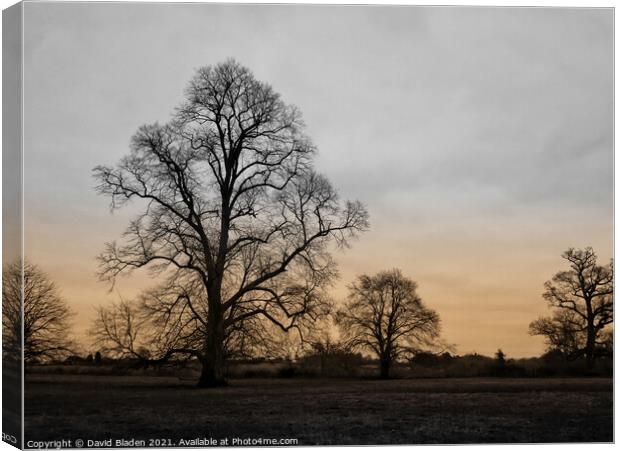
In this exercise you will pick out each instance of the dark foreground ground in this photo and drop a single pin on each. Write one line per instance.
(316, 411)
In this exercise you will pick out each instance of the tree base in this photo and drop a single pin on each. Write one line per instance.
(208, 382)
(385, 373)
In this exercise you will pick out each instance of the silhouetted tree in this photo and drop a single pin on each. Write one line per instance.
(234, 208)
(499, 366)
(385, 315)
(46, 316)
(583, 301)
(500, 358)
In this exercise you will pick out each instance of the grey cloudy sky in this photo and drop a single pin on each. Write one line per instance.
(481, 139)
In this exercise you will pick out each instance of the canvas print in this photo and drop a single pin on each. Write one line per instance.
(294, 225)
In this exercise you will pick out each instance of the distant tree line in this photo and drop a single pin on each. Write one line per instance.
(383, 323)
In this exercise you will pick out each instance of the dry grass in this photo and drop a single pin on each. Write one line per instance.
(316, 411)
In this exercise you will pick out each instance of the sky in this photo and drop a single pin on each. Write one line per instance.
(480, 139)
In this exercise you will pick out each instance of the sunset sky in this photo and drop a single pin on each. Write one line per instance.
(480, 139)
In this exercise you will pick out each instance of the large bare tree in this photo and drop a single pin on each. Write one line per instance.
(582, 297)
(44, 313)
(385, 315)
(232, 203)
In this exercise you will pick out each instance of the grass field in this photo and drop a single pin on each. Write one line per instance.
(316, 411)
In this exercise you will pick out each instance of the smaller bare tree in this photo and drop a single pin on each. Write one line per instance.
(385, 315)
(582, 297)
(45, 315)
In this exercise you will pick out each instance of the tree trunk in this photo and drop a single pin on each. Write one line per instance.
(213, 374)
(591, 336)
(385, 368)
(590, 344)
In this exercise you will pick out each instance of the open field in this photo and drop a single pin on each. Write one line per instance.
(316, 411)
